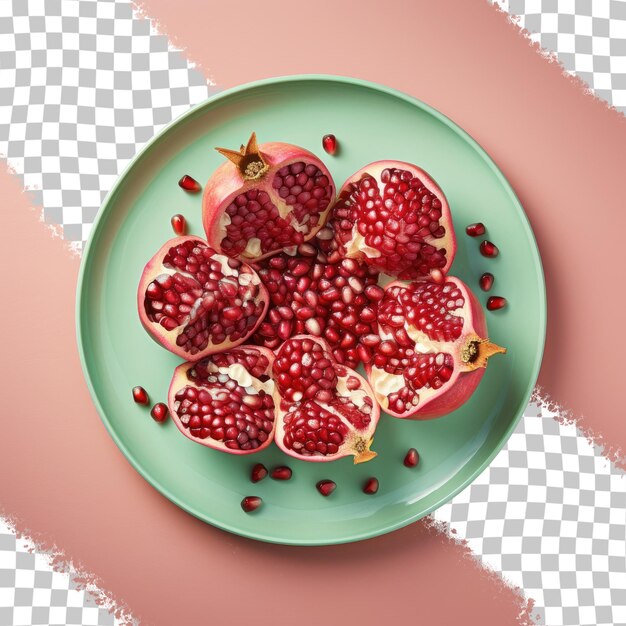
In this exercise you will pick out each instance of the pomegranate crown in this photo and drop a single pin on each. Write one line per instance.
(248, 159)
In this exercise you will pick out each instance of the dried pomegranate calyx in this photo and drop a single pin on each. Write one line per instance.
(476, 352)
(248, 159)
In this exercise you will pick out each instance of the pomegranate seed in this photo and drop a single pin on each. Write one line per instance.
(189, 184)
(259, 472)
(140, 396)
(371, 486)
(475, 230)
(437, 276)
(281, 473)
(489, 249)
(326, 487)
(412, 458)
(159, 412)
(486, 281)
(251, 503)
(496, 302)
(329, 142)
(179, 224)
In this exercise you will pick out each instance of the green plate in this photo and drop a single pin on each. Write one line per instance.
(371, 122)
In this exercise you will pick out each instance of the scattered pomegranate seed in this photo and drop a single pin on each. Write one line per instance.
(486, 281)
(330, 143)
(326, 487)
(281, 473)
(259, 472)
(179, 224)
(489, 249)
(140, 395)
(251, 503)
(475, 230)
(496, 302)
(371, 486)
(412, 458)
(159, 412)
(189, 184)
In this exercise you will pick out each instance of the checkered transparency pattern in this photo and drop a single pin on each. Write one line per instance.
(588, 37)
(83, 85)
(31, 592)
(550, 514)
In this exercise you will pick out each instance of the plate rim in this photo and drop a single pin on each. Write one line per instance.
(81, 289)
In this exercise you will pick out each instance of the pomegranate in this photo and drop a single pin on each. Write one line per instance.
(433, 350)
(326, 410)
(258, 472)
(281, 473)
(329, 143)
(496, 302)
(225, 400)
(486, 281)
(140, 395)
(179, 224)
(311, 295)
(159, 412)
(196, 302)
(476, 229)
(489, 249)
(395, 217)
(188, 183)
(265, 198)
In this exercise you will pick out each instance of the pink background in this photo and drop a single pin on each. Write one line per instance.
(558, 148)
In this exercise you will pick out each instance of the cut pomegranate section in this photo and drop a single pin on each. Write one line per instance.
(326, 410)
(225, 401)
(394, 216)
(311, 295)
(265, 198)
(196, 302)
(433, 350)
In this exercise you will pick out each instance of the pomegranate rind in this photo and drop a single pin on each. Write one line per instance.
(358, 441)
(166, 338)
(465, 378)
(227, 183)
(180, 380)
(356, 248)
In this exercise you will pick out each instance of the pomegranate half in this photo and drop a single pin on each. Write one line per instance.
(196, 302)
(265, 198)
(394, 216)
(433, 350)
(225, 401)
(325, 411)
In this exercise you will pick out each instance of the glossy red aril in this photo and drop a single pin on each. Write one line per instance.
(412, 458)
(496, 302)
(395, 217)
(258, 472)
(281, 473)
(251, 503)
(326, 410)
(196, 302)
(159, 412)
(434, 348)
(371, 486)
(225, 401)
(265, 198)
(486, 281)
(140, 395)
(475, 230)
(309, 294)
(489, 249)
(329, 143)
(189, 184)
(326, 487)
(179, 224)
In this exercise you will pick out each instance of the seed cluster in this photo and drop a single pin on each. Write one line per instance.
(311, 295)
